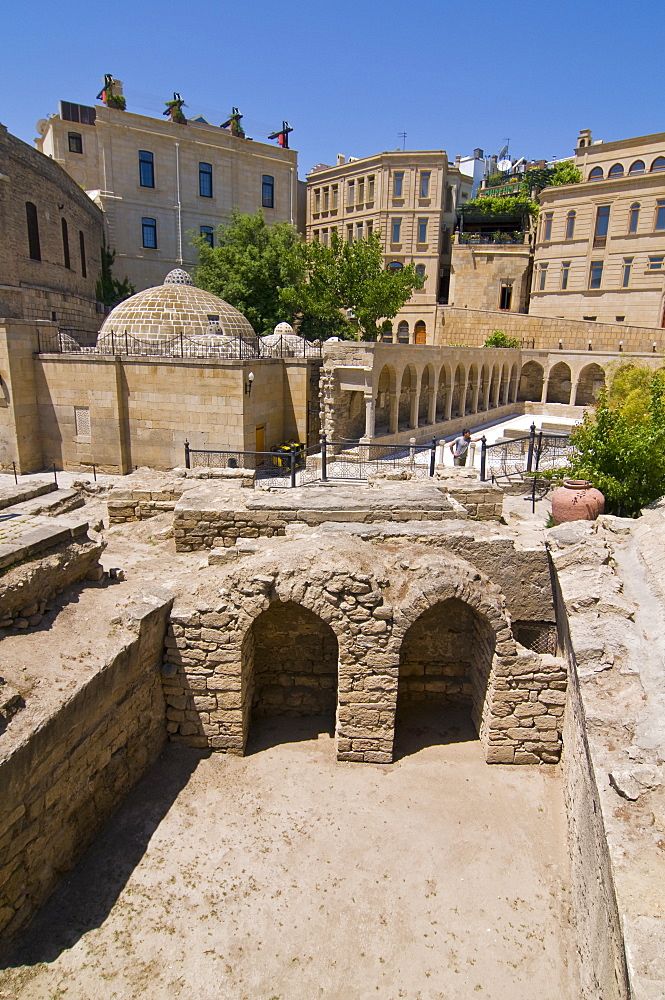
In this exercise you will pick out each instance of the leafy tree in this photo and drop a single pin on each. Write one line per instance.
(255, 267)
(621, 447)
(501, 339)
(108, 289)
(496, 205)
(565, 173)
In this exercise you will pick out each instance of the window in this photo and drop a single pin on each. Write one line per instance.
(65, 244)
(361, 191)
(637, 167)
(595, 274)
(267, 191)
(387, 334)
(315, 235)
(449, 197)
(33, 231)
(656, 263)
(398, 186)
(359, 230)
(616, 170)
(370, 188)
(422, 230)
(633, 217)
(420, 271)
(625, 272)
(424, 183)
(397, 229)
(547, 227)
(351, 194)
(619, 319)
(149, 227)
(75, 142)
(146, 169)
(207, 234)
(602, 225)
(349, 233)
(324, 237)
(326, 199)
(542, 277)
(82, 421)
(205, 180)
(369, 228)
(84, 267)
(660, 215)
(335, 196)
(506, 295)
(395, 265)
(565, 273)
(596, 174)
(570, 225)
(658, 163)
(403, 332)
(317, 200)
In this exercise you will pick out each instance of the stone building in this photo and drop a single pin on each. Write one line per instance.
(411, 199)
(158, 182)
(600, 250)
(171, 364)
(51, 240)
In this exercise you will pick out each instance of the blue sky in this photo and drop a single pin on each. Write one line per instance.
(350, 76)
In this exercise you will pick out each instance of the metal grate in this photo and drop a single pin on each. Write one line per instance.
(541, 637)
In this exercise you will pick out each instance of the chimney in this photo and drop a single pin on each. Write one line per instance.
(478, 154)
(341, 159)
(584, 138)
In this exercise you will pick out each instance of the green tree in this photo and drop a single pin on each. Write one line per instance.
(620, 447)
(255, 267)
(108, 289)
(565, 173)
(351, 280)
(501, 339)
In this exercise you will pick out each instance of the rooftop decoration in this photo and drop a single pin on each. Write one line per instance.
(233, 124)
(174, 109)
(108, 96)
(282, 136)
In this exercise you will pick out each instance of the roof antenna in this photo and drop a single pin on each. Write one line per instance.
(402, 136)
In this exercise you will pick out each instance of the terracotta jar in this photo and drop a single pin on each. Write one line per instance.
(576, 500)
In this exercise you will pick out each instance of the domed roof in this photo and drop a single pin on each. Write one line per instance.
(174, 310)
(283, 328)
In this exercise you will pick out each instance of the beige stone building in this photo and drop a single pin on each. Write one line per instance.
(159, 182)
(410, 198)
(600, 250)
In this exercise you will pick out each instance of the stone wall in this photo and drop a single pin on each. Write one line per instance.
(60, 782)
(430, 667)
(478, 273)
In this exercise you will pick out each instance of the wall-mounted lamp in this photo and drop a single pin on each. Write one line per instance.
(653, 347)
(561, 345)
(249, 383)
(590, 348)
(621, 345)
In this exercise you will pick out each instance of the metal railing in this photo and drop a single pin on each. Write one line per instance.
(530, 453)
(208, 346)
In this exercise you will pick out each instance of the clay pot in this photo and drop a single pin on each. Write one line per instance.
(576, 500)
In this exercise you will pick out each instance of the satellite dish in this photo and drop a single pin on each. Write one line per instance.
(504, 166)
(41, 125)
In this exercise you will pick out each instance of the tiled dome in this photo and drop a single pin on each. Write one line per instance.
(165, 312)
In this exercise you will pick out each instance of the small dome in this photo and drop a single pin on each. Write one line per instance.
(283, 328)
(172, 314)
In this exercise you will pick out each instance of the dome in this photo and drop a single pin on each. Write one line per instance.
(284, 343)
(175, 314)
(283, 329)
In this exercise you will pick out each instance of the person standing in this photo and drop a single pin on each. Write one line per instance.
(460, 447)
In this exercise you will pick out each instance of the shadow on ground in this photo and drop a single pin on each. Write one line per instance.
(265, 733)
(416, 729)
(84, 899)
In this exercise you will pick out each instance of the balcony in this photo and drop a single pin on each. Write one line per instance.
(491, 239)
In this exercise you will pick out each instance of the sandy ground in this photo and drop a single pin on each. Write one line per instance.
(286, 875)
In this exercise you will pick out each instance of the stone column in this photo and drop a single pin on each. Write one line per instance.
(462, 397)
(543, 395)
(393, 419)
(431, 406)
(413, 412)
(370, 409)
(486, 393)
(449, 404)
(474, 398)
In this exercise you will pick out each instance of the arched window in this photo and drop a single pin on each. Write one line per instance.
(420, 270)
(65, 244)
(658, 163)
(634, 217)
(420, 332)
(637, 167)
(570, 225)
(33, 231)
(403, 332)
(616, 170)
(596, 174)
(395, 265)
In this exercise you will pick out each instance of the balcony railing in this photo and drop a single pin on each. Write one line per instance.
(491, 239)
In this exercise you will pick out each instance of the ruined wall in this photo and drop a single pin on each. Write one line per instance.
(60, 782)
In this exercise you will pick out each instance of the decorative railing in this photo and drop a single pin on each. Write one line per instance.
(208, 347)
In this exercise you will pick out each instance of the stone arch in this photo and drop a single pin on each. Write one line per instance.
(289, 665)
(426, 395)
(590, 381)
(559, 383)
(531, 382)
(407, 394)
(457, 408)
(386, 390)
(443, 394)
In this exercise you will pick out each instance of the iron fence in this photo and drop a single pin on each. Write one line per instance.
(531, 453)
(209, 345)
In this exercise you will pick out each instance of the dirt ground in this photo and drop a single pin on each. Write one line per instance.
(286, 875)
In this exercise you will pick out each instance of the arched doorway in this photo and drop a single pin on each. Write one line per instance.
(385, 394)
(408, 389)
(531, 383)
(589, 383)
(420, 332)
(290, 658)
(426, 393)
(559, 383)
(444, 667)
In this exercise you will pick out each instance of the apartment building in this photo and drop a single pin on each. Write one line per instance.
(600, 250)
(159, 181)
(411, 199)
